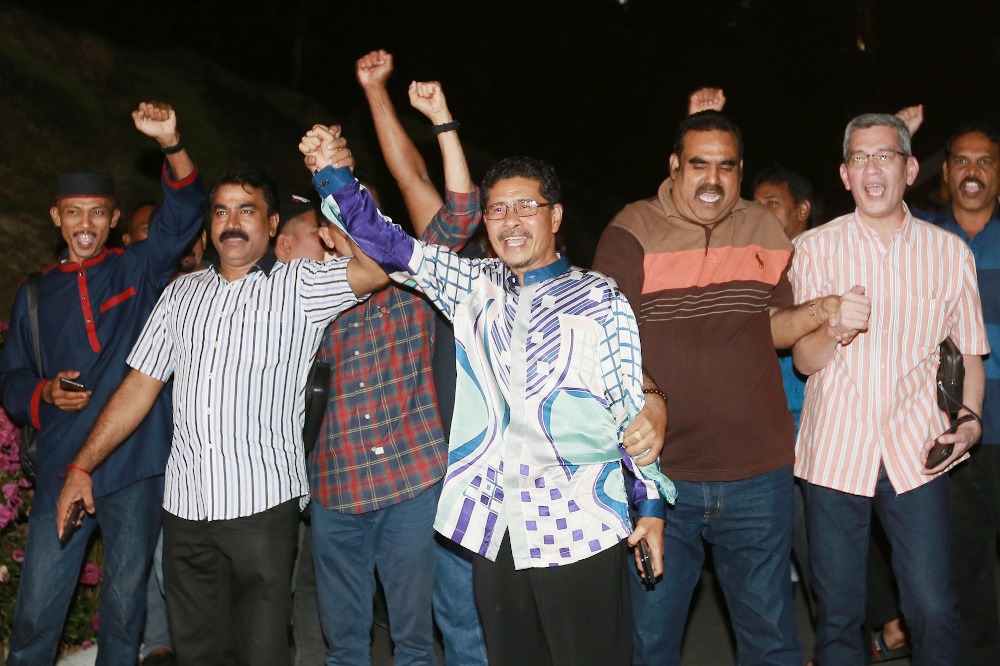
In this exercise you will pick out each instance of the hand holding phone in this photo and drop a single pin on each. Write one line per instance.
(72, 523)
(71, 386)
(646, 560)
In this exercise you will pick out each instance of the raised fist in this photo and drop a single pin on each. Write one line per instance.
(912, 117)
(428, 99)
(323, 146)
(373, 70)
(706, 99)
(158, 121)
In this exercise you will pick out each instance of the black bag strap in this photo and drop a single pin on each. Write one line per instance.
(32, 286)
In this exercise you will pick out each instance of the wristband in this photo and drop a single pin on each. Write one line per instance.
(445, 127)
(657, 392)
(965, 418)
(174, 149)
(812, 311)
(69, 467)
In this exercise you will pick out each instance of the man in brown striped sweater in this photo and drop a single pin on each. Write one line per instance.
(706, 273)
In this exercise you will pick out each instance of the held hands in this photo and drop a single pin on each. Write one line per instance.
(428, 99)
(158, 121)
(373, 70)
(68, 401)
(323, 146)
(706, 99)
(851, 315)
(650, 425)
(912, 117)
(78, 486)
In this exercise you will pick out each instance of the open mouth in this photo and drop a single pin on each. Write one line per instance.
(971, 187)
(85, 239)
(875, 191)
(514, 238)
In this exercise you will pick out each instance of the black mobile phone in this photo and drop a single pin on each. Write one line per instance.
(70, 385)
(646, 560)
(940, 452)
(72, 523)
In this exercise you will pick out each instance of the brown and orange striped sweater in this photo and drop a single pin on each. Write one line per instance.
(702, 295)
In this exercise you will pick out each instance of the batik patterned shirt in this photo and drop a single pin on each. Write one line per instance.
(549, 377)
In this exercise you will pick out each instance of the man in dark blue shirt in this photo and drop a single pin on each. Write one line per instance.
(972, 171)
(91, 307)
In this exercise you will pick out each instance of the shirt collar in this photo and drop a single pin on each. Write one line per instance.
(905, 232)
(558, 267)
(265, 264)
(946, 216)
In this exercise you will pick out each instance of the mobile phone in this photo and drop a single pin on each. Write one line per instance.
(70, 385)
(71, 525)
(940, 452)
(646, 562)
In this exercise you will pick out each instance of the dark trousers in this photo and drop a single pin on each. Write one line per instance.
(577, 614)
(228, 586)
(975, 520)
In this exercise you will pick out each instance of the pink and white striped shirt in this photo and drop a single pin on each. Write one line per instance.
(876, 401)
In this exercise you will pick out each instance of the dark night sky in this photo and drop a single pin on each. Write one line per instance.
(597, 88)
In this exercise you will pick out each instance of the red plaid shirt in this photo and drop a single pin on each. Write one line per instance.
(382, 439)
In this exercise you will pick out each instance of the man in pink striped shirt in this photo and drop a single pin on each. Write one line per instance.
(870, 414)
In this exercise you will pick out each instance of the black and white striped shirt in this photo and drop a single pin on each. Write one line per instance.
(240, 353)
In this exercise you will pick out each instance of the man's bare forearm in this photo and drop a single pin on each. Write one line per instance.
(120, 417)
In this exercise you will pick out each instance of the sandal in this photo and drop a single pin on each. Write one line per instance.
(880, 652)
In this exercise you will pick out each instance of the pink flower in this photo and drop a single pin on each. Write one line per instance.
(86, 645)
(10, 491)
(91, 574)
(17, 555)
(97, 618)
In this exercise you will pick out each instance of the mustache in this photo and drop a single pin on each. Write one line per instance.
(710, 187)
(974, 180)
(233, 233)
(504, 235)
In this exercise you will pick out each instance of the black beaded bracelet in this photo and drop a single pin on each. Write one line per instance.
(657, 392)
(174, 149)
(445, 127)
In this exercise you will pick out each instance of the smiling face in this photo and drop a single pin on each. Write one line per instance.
(973, 173)
(878, 187)
(241, 228)
(707, 176)
(85, 223)
(523, 243)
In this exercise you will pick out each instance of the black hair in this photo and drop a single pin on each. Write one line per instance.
(776, 174)
(246, 176)
(522, 167)
(977, 126)
(706, 121)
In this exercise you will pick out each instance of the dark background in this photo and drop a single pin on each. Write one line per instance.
(597, 87)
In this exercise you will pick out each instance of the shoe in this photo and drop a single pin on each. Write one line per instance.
(166, 658)
(880, 652)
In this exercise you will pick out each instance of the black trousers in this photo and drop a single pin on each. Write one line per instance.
(975, 511)
(228, 585)
(574, 615)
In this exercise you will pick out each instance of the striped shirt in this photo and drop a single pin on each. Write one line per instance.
(549, 377)
(875, 402)
(239, 353)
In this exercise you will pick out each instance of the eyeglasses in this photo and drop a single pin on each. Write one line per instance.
(878, 159)
(521, 209)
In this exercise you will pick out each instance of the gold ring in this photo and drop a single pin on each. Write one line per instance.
(638, 437)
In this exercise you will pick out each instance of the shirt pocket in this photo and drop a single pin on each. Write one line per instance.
(117, 299)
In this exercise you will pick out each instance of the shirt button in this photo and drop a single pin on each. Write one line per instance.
(83, 298)
(208, 410)
(357, 353)
(368, 417)
(88, 321)
(209, 447)
(210, 375)
(361, 384)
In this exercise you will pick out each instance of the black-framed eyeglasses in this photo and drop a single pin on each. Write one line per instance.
(879, 158)
(498, 211)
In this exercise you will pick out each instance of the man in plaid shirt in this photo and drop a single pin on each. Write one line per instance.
(375, 473)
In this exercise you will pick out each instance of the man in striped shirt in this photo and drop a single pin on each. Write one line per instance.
(239, 339)
(870, 415)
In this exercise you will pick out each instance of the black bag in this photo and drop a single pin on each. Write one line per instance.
(29, 443)
(950, 377)
(317, 392)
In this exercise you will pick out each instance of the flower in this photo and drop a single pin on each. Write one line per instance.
(86, 645)
(97, 618)
(18, 555)
(91, 574)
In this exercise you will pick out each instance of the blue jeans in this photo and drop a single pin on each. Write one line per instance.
(747, 523)
(916, 523)
(130, 522)
(347, 548)
(156, 633)
(455, 606)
